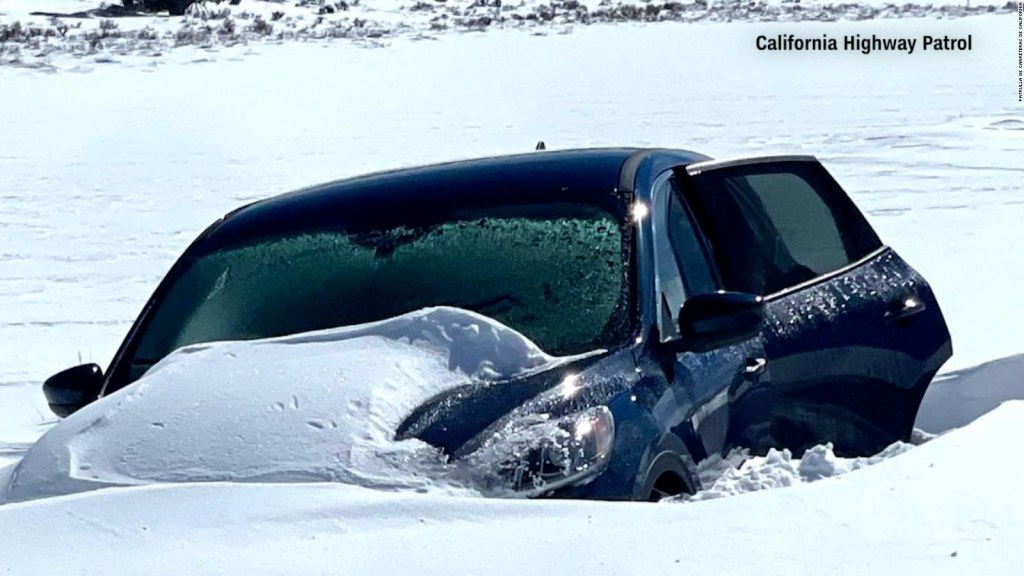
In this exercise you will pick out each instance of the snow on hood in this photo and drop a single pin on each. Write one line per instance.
(315, 406)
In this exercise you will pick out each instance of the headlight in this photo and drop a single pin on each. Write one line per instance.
(536, 454)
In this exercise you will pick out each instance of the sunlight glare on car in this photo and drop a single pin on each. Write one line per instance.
(584, 427)
(569, 385)
(640, 211)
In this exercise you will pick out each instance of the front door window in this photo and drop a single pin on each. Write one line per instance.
(681, 263)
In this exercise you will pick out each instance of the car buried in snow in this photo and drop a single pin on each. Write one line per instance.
(701, 305)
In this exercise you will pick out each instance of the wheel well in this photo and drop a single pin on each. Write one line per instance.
(667, 475)
(667, 484)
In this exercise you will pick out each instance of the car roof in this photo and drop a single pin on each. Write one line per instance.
(591, 174)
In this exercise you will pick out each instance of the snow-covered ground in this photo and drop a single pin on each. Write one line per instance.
(947, 507)
(56, 34)
(106, 176)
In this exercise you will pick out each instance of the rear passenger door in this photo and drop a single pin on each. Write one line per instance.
(853, 334)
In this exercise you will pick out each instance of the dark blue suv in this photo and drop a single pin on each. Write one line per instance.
(706, 304)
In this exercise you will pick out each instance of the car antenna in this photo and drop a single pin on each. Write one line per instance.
(540, 145)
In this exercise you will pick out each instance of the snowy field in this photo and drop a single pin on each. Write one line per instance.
(51, 34)
(107, 174)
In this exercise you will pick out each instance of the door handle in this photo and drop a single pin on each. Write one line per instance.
(905, 308)
(754, 367)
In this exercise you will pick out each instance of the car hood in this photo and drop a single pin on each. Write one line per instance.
(318, 406)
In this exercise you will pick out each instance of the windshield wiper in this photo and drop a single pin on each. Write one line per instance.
(385, 242)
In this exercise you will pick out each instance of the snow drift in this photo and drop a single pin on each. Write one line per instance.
(321, 406)
(939, 509)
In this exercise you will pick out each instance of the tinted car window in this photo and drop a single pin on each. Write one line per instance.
(681, 262)
(808, 234)
(689, 252)
(554, 272)
(772, 226)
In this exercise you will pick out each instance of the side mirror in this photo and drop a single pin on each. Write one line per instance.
(708, 321)
(71, 389)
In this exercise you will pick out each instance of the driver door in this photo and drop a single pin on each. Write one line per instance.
(715, 382)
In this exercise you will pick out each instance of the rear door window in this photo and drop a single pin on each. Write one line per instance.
(775, 224)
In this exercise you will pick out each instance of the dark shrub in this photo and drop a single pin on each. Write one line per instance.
(173, 7)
